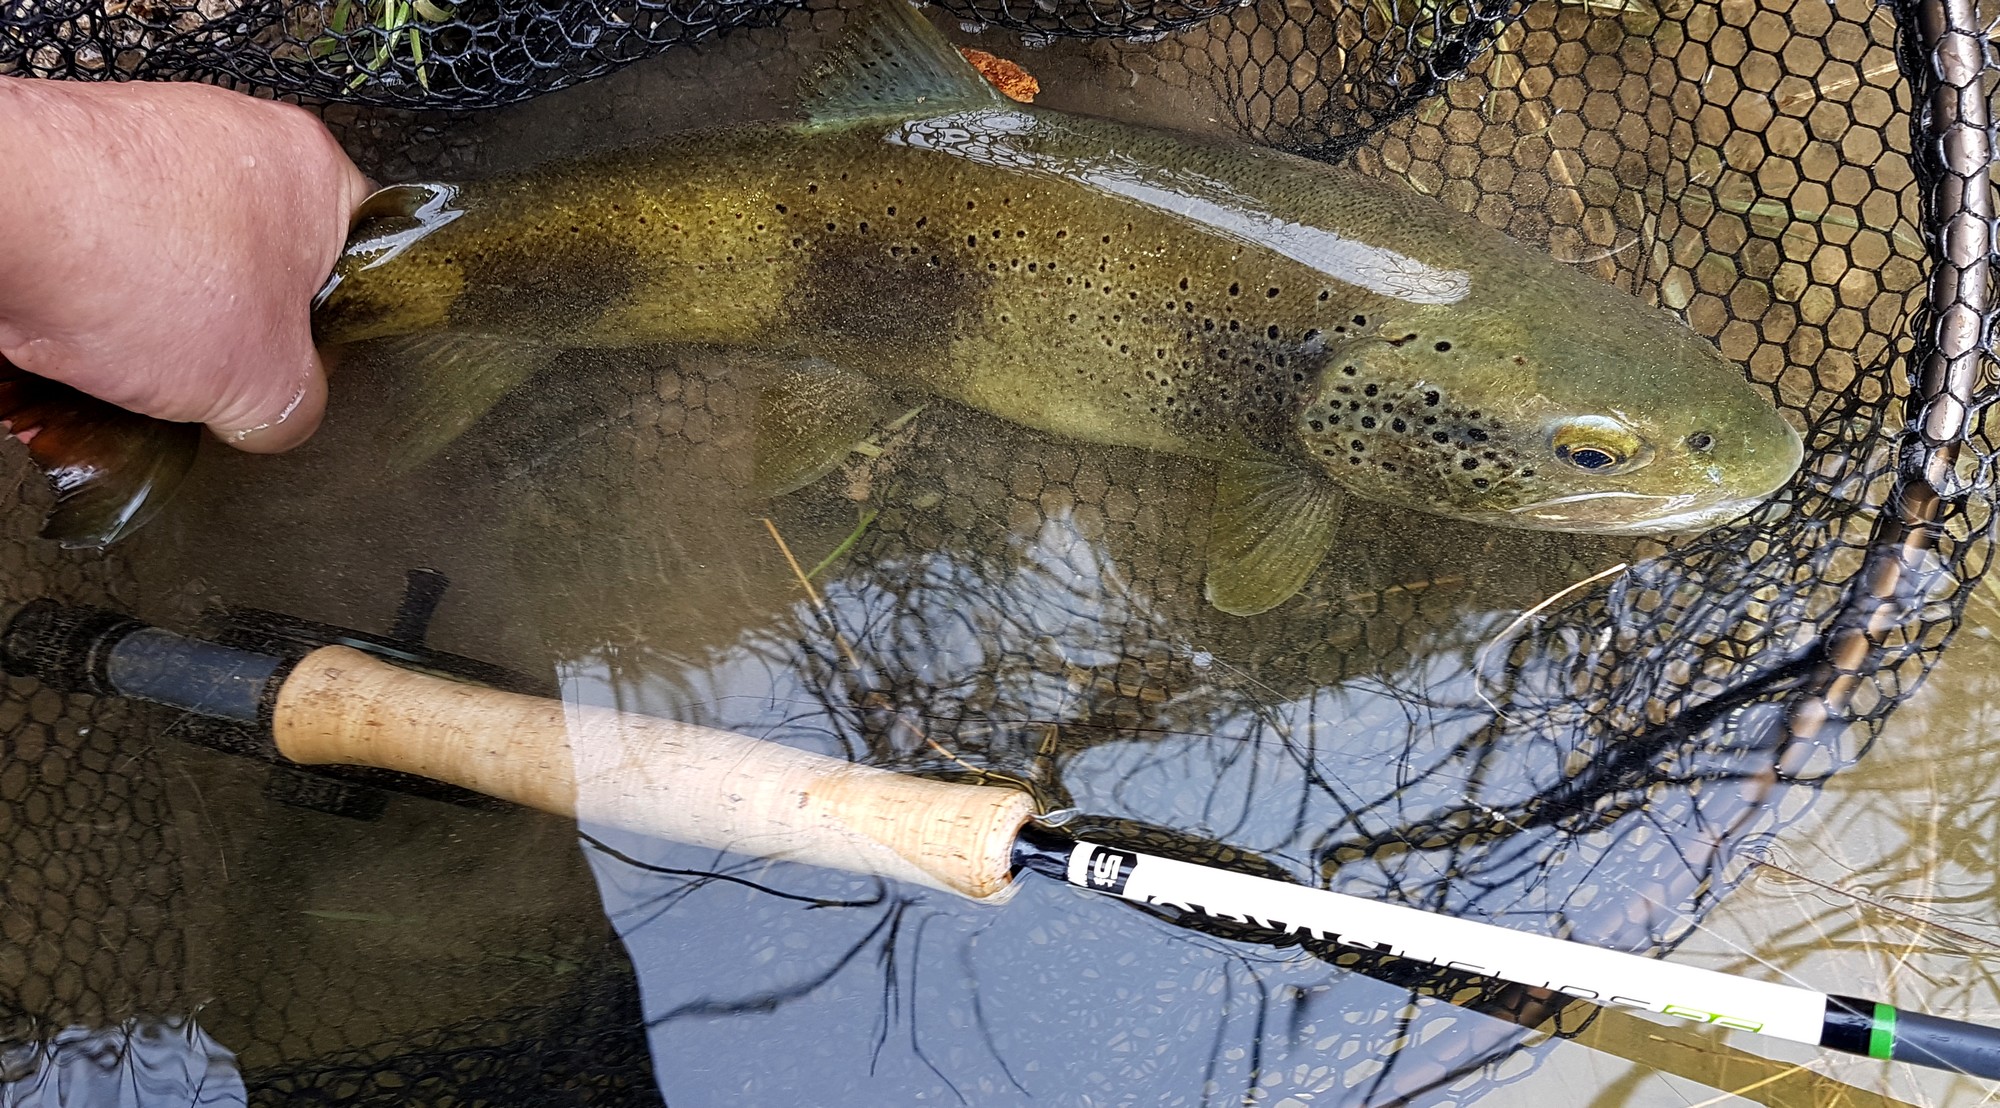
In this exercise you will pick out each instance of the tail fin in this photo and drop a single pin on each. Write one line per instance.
(110, 469)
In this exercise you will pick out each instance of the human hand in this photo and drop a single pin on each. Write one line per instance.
(163, 243)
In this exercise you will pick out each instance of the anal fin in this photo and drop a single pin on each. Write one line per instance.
(1271, 527)
(808, 419)
(111, 469)
(454, 377)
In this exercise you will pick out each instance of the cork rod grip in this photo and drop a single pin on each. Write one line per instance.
(691, 784)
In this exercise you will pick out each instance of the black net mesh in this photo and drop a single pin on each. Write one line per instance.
(1805, 182)
(411, 54)
(87, 848)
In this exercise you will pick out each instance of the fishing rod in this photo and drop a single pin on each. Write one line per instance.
(339, 705)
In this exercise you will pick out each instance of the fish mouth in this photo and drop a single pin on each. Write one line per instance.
(1665, 514)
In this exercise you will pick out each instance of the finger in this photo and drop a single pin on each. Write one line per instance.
(281, 425)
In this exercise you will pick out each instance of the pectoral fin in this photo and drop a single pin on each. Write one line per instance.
(1271, 527)
(808, 419)
(111, 469)
(454, 378)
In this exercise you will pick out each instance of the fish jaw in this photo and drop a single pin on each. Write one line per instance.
(1662, 515)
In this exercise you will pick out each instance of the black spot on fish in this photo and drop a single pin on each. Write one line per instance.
(1442, 347)
(1368, 421)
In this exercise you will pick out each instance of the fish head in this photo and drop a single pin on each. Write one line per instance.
(1619, 421)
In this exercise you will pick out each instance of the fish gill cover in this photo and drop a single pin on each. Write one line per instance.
(1806, 184)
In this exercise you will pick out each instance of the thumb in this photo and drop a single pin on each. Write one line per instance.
(285, 415)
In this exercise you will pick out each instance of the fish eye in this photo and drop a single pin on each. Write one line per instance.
(1598, 444)
(1701, 442)
(1588, 457)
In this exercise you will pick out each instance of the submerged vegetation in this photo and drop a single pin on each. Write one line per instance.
(374, 36)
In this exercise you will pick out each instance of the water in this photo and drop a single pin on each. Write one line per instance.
(1015, 605)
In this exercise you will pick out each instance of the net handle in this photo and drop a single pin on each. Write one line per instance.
(680, 781)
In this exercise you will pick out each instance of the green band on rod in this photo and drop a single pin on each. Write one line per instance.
(1882, 1036)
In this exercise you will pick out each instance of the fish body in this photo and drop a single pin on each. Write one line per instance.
(1108, 283)
(1307, 329)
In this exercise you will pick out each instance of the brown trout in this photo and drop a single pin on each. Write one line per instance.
(1308, 331)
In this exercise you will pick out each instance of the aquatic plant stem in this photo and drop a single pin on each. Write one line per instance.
(846, 544)
(812, 594)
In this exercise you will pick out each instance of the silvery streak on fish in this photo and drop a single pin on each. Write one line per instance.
(1310, 332)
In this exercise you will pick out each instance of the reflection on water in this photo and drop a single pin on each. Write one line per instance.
(140, 1064)
(1021, 607)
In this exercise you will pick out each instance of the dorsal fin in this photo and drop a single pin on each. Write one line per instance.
(892, 64)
